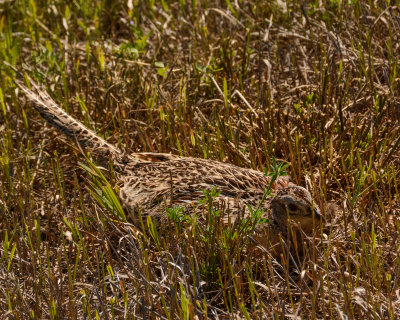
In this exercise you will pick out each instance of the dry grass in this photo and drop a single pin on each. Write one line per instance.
(315, 85)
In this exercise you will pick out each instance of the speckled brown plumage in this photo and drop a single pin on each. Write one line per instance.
(149, 181)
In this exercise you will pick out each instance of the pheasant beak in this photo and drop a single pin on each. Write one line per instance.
(318, 215)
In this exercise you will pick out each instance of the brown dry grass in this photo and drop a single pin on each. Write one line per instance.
(315, 85)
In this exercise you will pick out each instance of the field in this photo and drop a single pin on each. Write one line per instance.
(312, 84)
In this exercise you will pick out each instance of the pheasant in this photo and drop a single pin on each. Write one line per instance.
(149, 181)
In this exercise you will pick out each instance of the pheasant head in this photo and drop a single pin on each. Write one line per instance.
(295, 204)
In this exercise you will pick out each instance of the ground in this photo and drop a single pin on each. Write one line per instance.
(313, 84)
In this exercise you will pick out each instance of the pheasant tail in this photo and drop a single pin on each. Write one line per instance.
(75, 130)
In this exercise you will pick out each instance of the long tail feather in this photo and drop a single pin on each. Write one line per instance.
(74, 129)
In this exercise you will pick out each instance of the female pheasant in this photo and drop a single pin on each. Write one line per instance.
(149, 181)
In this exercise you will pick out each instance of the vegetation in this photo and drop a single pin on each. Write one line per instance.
(313, 84)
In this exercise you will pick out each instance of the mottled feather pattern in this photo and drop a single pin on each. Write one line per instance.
(150, 181)
(75, 130)
(180, 182)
